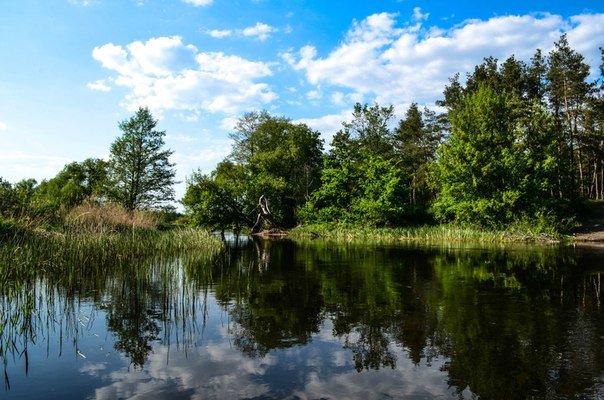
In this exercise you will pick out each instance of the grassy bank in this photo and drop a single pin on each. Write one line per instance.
(31, 252)
(93, 237)
(425, 234)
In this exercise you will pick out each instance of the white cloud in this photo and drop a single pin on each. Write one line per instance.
(199, 3)
(418, 15)
(328, 125)
(166, 74)
(261, 31)
(99, 85)
(392, 65)
(314, 95)
(219, 33)
(3, 126)
(341, 99)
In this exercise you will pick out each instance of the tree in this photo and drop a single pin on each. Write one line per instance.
(369, 126)
(480, 168)
(272, 159)
(75, 182)
(361, 181)
(140, 171)
(415, 141)
(8, 199)
(568, 94)
(217, 200)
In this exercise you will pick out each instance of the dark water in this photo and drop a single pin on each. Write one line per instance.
(312, 321)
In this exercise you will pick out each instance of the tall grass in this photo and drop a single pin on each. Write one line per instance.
(28, 254)
(426, 234)
(92, 217)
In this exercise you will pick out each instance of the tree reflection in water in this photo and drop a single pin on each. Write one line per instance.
(508, 322)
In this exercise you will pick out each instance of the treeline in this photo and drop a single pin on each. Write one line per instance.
(137, 179)
(513, 142)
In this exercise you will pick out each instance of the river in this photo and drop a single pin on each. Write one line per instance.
(313, 320)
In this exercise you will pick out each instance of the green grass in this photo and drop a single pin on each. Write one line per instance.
(422, 234)
(27, 253)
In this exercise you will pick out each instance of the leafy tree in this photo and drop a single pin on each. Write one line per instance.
(73, 184)
(140, 171)
(8, 199)
(370, 126)
(244, 136)
(361, 180)
(536, 84)
(218, 200)
(271, 157)
(593, 138)
(480, 167)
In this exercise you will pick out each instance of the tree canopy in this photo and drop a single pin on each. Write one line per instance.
(511, 141)
(140, 172)
(516, 141)
(271, 157)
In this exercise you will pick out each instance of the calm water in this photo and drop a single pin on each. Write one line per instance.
(313, 321)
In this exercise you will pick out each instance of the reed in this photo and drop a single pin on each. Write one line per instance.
(93, 217)
(422, 234)
(32, 252)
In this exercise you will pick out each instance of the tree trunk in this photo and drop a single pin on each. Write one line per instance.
(264, 215)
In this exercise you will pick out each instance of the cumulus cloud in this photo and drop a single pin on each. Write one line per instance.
(3, 126)
(418, 15)
(166, 74)
(99, 85)
(260, 31)
(328, 125)
(220, 33)
(379, 60)
(199, 3)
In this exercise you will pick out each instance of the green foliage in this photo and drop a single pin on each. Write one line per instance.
(271, 157)
(416, 140)
(481, 167)
(362, 181)
(141, 175)
(73, 184)
(518, 145)
(8, 199)
(217, 200)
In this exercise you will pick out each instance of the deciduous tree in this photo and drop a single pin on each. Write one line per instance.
(139, 168)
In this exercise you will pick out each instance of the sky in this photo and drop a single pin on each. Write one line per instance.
(71, 70)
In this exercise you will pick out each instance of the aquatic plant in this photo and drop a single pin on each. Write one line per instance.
(424, 234)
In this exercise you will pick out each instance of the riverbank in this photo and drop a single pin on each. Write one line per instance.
(425, 234)
(591, 223)
(26, 249)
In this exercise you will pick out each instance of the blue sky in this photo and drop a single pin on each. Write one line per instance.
(71, 69)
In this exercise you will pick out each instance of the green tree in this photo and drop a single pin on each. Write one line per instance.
(370, 126)
(8, 199)
(480, 167)
(271, 157)
(415, 140)
(75, 182)
(361, 180)
(140, 171)
(593, 138)
(218, 200)
(568, 94)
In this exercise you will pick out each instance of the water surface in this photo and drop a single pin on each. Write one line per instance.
(311, 320)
